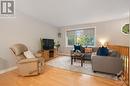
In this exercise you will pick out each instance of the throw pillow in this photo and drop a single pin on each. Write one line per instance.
(88, 50)
(28, 54)
(77, 47)
(102, 51)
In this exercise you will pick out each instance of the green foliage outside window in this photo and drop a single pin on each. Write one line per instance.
(84, 37)
(71, 40)
(83, 40)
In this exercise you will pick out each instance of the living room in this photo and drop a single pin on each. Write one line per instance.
(58, 20)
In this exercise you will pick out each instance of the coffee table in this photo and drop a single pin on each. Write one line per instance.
(74, 57)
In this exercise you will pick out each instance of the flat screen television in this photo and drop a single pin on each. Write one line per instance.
(48, 44)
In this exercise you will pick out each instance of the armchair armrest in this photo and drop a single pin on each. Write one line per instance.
(38, 55)
(28, 60)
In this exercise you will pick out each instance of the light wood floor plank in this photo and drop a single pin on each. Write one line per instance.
(55, 77)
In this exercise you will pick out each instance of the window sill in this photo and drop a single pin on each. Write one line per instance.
(71, 46)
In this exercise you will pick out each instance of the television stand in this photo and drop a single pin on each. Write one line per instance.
(48, 54)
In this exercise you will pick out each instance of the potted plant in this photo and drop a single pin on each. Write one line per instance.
(57, 45)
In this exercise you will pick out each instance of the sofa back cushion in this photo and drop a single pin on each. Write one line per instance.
(114, 54)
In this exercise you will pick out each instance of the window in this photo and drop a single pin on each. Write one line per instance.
(84, 37)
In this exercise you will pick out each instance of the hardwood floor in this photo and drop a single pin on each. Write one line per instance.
(55, 77)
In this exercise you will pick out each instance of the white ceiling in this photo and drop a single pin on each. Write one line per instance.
(69, 12)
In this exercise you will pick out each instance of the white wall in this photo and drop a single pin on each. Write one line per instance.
(129, 48)
(22, 29)
(108, 30)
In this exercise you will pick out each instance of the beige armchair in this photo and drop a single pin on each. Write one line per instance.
(27, 67)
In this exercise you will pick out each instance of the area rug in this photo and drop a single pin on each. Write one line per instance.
(64, 62)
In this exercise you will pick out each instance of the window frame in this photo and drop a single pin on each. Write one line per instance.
(66, 38)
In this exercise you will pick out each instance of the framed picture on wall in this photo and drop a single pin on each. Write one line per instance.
(125, 29)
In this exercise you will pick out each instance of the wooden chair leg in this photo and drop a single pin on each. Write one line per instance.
(71, 60)
(75, 60)
(81, 62)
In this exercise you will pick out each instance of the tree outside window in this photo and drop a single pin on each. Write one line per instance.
(83, 37)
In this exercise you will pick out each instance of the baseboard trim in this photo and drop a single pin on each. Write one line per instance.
(8, 69)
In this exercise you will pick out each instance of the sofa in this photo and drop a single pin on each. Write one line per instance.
(108, 64)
